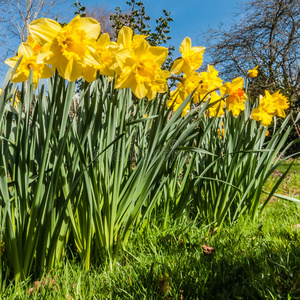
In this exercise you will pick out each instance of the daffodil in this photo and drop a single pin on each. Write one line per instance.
(141, 70)
(253, 72)
(107, 65)
(209, 81)
(269, 106)
(186, 85)
(262, 115)
(191, 60)
(199, 84)
(17, 100)
(126, 39)
(218, 108)
(235, 96)
(106, 55)
(221, 134)
(175, 101)
(281, 103)
(28, 62)
(70, 49)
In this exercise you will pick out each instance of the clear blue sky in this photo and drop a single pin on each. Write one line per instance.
(191, 17)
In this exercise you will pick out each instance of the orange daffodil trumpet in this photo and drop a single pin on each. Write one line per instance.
(235, 95)
(70, 49)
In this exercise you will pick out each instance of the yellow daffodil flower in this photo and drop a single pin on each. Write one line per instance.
(235, 95)
(210, 79)
(209, 82)
(217, 108)
(107, 65)
(187, 85)
(126, 39)
(253, 72)
(191, 60)
(175, 101)
(106, 54)
(141, 70)
(280, 103)
(221, 134)
(200, 84)
(68, 49)
(17, 100)
(260, 114)
(29, 61)
(269, 106)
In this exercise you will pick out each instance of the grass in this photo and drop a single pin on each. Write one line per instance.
(291, 184)
(251, 261)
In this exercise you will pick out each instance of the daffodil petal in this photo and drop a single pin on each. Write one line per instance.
(25, 50)
(89, 73)
(160, 54)
(125, 37)
(123, 57)
(12, 61)
(44, 30)
(185, 45)
(103, 40)
(177, 65)
(142, 49)
(69, 69)
(89, 25)
(47, 72)
(151, 94)
(125, 79)
(19, 77)
(139, 89)
(237, 83)
(92, 58)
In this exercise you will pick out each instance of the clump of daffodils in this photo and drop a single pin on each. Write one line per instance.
(77, 50)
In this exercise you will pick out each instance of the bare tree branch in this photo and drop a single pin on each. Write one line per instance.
(268, 34)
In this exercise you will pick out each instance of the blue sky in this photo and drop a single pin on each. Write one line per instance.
(191, 17)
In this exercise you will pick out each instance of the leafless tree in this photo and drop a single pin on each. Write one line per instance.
(16, 15)
(267, 34)
(102, 15)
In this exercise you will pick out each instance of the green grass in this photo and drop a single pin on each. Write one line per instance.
(291, 184)
(251, 261)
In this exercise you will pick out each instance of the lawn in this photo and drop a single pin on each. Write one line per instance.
(259, 260)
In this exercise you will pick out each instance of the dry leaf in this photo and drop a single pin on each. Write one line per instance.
(208, 250)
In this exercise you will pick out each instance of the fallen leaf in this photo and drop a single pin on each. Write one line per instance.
(208, 250)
